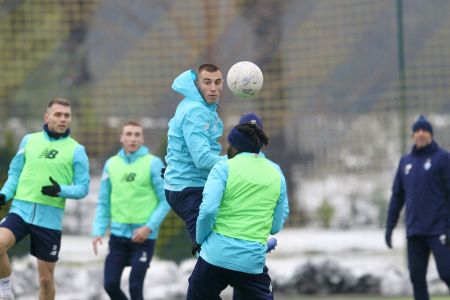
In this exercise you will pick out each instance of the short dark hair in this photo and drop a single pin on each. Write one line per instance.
(132, 123)
(208, 68)
(60, 101)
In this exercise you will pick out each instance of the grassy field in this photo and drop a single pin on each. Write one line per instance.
(301, 297)
(228, 296)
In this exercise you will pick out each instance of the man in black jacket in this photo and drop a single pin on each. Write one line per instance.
(422, 185)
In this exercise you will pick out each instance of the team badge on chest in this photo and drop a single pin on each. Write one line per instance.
(427, 164)
(408, 168)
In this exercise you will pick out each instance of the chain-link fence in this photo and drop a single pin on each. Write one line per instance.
(343, 81)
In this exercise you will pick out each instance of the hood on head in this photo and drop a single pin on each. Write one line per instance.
(185, 85)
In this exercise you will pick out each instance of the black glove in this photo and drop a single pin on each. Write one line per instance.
(2, 200)
(388, 238)
(196, 248)
(163, 170)
(51, 190)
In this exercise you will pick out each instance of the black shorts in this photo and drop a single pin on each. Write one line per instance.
(186, 205)
(208, 281)
(45, 243)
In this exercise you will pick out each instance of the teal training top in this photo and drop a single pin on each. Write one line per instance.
(229, 252)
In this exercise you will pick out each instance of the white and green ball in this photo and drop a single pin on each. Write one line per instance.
(245, 79)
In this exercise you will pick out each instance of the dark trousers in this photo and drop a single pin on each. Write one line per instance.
(186, 204)
(419, 249)
(123, 252)
(237, 293)
(208, 281)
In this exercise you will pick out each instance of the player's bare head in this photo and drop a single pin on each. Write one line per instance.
(132, 123)
(132, 136)
(58, 101)
(209, 82)
(58, 116)
(208, 67)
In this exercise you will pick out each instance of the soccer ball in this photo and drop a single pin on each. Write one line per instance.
(245, 79)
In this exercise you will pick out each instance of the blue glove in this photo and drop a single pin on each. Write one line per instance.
(271, 244)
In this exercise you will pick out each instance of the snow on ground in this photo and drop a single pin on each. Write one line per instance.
(79, 272)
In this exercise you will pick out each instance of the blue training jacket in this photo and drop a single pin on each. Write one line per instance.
(103, 211)
(422, 184)
(40, 214)
(227, 252)
(194, 130)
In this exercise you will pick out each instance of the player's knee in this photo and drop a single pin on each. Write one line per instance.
(46, 282)
(3, 250)
(7, 240)
(136, 290)
(445, 277)
(111, 285)
(417, 280)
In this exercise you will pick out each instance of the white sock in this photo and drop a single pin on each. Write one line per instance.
(5, 285)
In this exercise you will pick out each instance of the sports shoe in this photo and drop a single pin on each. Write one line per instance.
(271, 244)
(5, 292)
(4, 296)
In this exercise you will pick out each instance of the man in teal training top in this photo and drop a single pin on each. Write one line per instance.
(131, 199)
(49, 167)
(244, 201)
(193, 142)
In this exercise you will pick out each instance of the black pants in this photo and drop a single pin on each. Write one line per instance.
(123, 252)
(208, 281)
(186, 204)
(419, 250)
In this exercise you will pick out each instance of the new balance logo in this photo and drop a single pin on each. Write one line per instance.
(54, 250)
(48, 153)
(129, 177)
(143, 257)
(5, 283)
